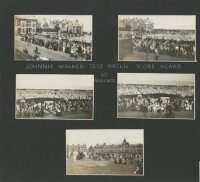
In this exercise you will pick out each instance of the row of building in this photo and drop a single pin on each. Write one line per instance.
(124, 147)
(135, 24)
(29, 24)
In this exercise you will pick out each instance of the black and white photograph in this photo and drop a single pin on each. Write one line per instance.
(170, 38)
(65, 97)
(100, 91)
(53, 37)
(105, 152)
(156, 95)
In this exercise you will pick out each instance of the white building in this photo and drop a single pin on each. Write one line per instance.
(25, 24)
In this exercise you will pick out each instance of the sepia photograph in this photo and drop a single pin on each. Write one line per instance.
(66, 97)
(156, 96)
(53, 37)
(105, 152)
(169, 38)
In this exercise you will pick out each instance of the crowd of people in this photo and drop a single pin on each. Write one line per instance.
(154, 99)
(177, 35)
(117, 158)
(33, 104)
(136, 89)
(75, 46)
(177, 44)
(167, 105)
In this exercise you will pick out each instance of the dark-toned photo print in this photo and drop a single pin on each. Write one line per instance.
(170, 38)
(65, 97)
(156, 96)
(105, 152)
(53, 37)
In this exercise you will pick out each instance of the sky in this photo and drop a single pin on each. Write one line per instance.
(86, 20)
(54, 81)
(101, 136)
(187, 22)
(156, 78)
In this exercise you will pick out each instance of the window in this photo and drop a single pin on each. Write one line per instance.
(33, 24)
(28, 23)
(23, 23)
(23, 30)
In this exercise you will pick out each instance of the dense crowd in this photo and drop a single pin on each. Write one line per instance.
(153, 99)
(177, 35)
(136, 89)
(76, 47)
(37, 104)
(157, 104)
(125, 158)
(178, 44)
(117, 157)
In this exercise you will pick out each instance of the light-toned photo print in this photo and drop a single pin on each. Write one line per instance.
(154, 96)
(105, 152)
(157, 38)
(52, 96)
(53, 37)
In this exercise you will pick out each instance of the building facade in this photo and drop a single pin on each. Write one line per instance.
(123, 148)
(25, 24)
(72, 27)
(135, 24)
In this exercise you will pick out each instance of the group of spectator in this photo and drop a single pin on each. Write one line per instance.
(76, 47)
(117, 158)
(177, 44)
(32, 105)
(157, 99)
(136, 89)
(155, 104)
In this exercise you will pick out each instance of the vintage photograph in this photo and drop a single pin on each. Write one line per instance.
(105, 152)
(53, 37)
(53, 96)
(157, 38)
(155, 96)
